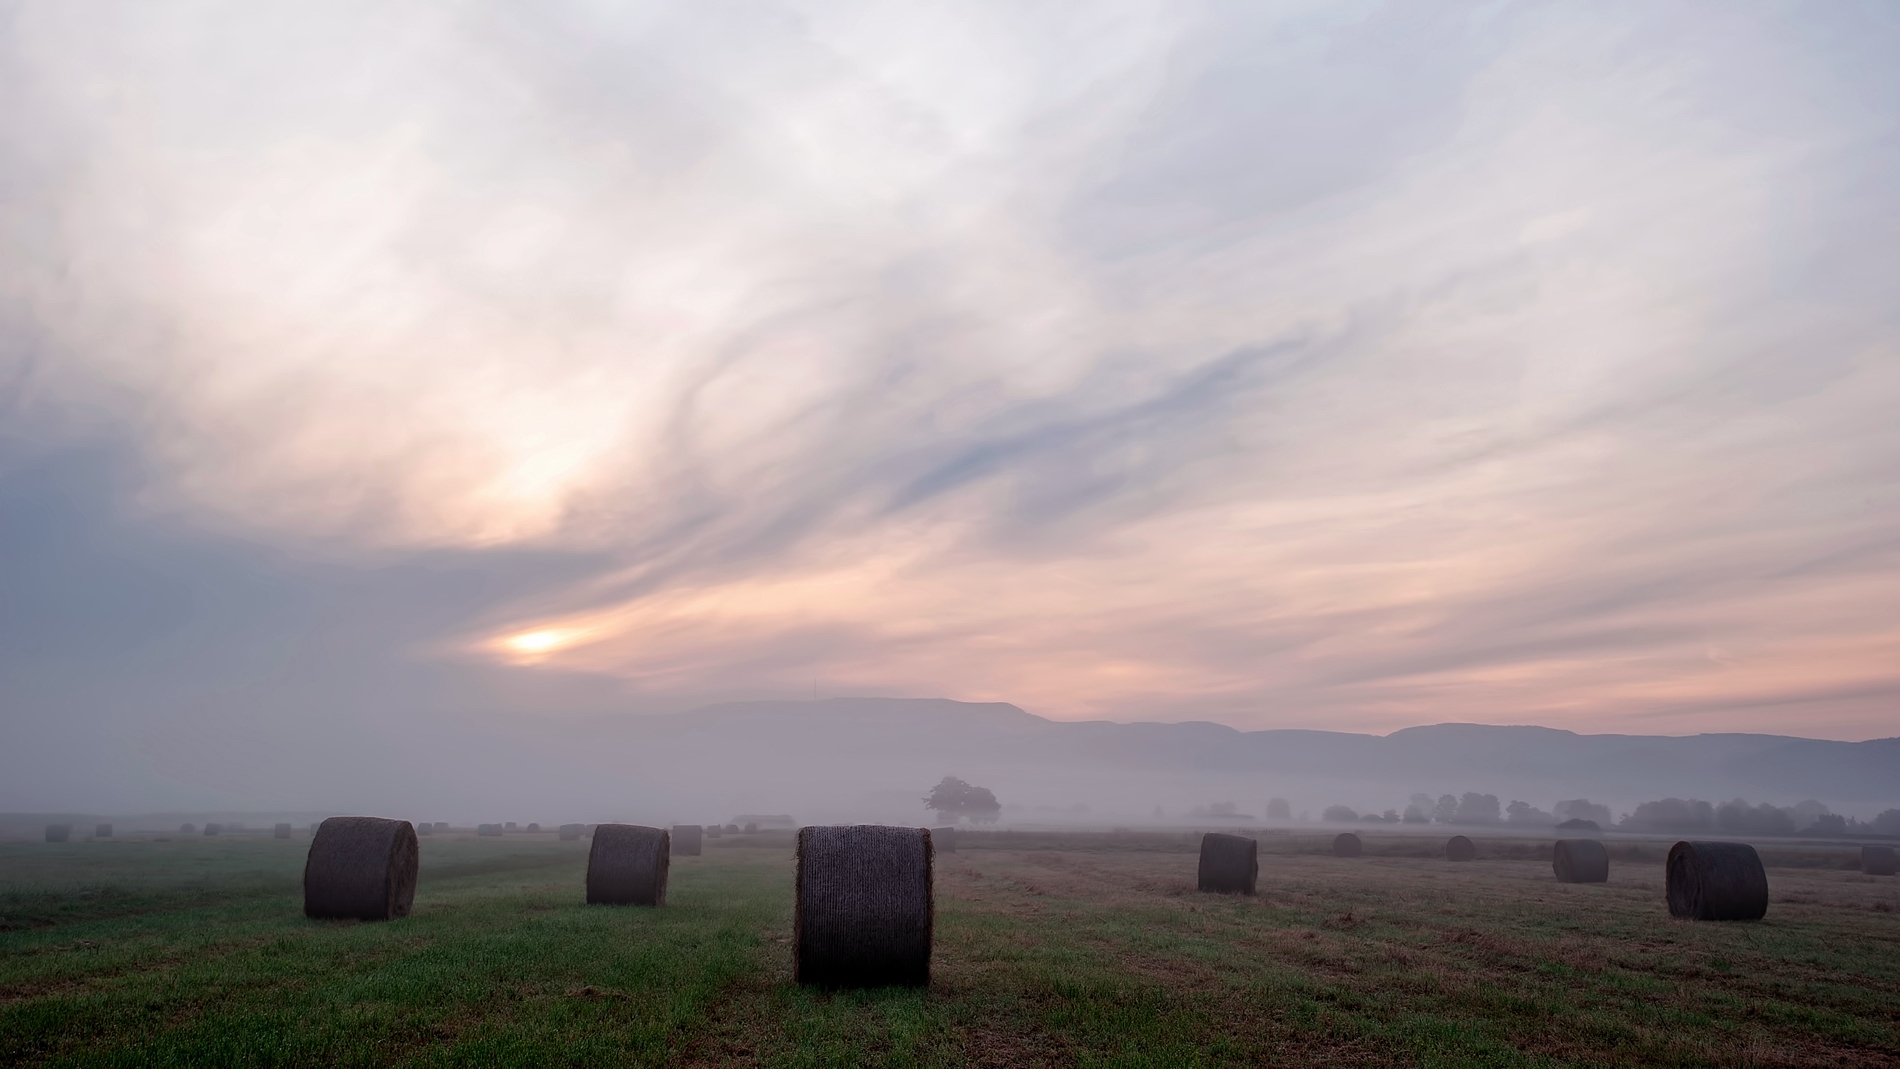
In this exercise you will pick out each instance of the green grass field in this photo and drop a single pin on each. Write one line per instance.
(1051, 950)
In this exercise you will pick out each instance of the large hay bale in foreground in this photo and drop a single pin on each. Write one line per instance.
(1346, 844)
(102, 831)
(1460, 848)
(864, 906)
(627, 865)
(58, 833)
(1230, 864)
(943, 840)
(1580, 861)
(213, 829)
(488, 829)
(686, 839)
(1879, 860)
(362, 868)
(1714, 881)
(281, 831)
(570, 832)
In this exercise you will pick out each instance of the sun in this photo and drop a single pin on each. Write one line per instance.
(546, 640)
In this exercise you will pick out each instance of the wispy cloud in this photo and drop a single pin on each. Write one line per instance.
(1300, 365)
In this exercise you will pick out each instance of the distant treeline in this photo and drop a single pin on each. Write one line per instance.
(1666, 815)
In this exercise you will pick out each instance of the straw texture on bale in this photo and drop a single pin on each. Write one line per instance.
(1879, 860)
(1580, 861)
(362, 868)
(488, 829)
(943, 840)
(1230, 864)
(627, 865)
(864, 908)
(686, 839)
(1460, 848)
(187, 829)
(570, 832)
(1346, 844)
(213, 829)
(102, 831)
(281, 831)
(58, 833)
(1714, 881)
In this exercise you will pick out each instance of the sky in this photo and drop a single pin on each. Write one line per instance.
(1354, 366)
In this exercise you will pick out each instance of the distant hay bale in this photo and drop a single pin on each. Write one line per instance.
(943, 840)
(1230, 864)
(314, 827)
(534, 827)
(58, 833)
(362, 868)
(281, 831)
(686, 839)
(488, 829)
(1715, 881)
(102, 831)
(187, 829)
(751, 827)
(1346, 844)
(423, 828)
(864, 907)
(627, 865)
(1580, 861)
(714, 831)
(732, 829)
(441, 825)
(213, 829)
(570, 832)
(510, 825)
(1879, 860)
(1460, 848)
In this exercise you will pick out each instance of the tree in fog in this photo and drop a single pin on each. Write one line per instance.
(1279, 809)
(1477, 809)
(955, 799)
(1339, 814)
(1887, 823)
(1672, 814)
(1524, 813)
(1445, 810)
(1583, 809)
(1415, 815)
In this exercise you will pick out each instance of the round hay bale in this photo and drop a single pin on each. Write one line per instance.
(58, 833)
(1879, 860)
(1230, 864)
(627, 865)
(534, 827)
(102, 831)
(441, 825)
(714, 831)
(570, 832)
(1460, 848)
(509, 826)
(1346, 844)
(1714, 881)
(864, 908)
(943, 840)
(213, 829)
(1580, 861)
(686, 839)
(751, 828)
(425, 828)
(488, 829)
(281, 831)
(362, 868)
(187, 829)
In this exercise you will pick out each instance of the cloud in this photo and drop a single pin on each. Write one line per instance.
(1306, 365)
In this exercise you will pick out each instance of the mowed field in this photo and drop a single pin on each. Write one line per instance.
(1051, 950)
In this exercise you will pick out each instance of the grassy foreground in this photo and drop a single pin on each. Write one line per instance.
(1080, 950)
